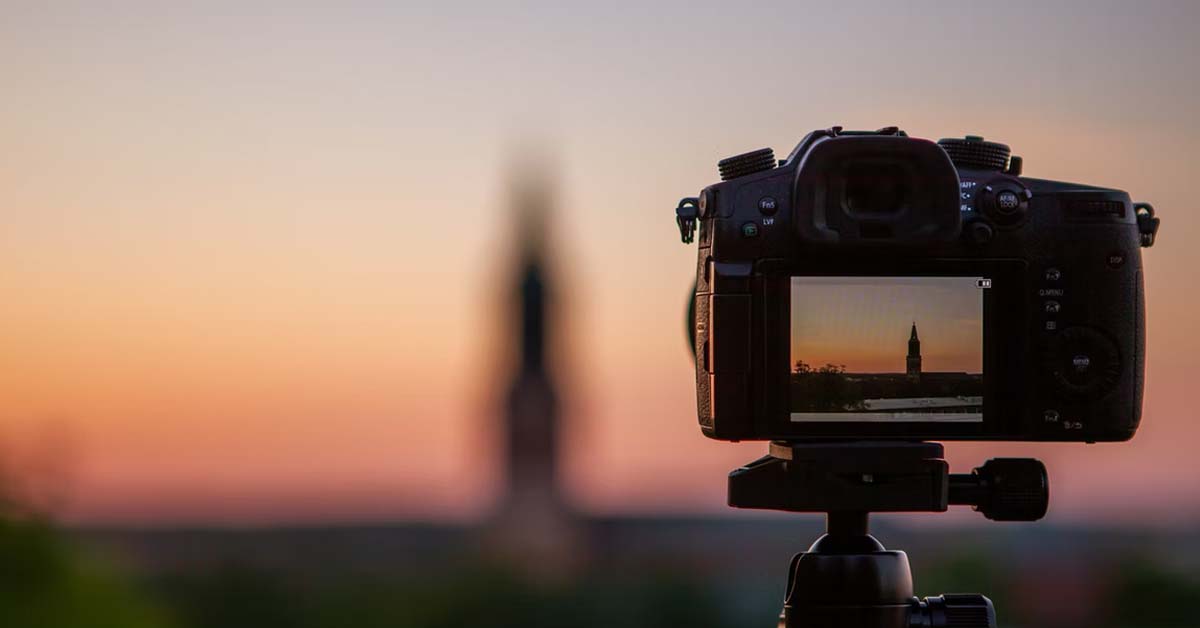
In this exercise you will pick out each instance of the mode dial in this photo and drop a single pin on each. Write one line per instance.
(746, 163)
(974, 153)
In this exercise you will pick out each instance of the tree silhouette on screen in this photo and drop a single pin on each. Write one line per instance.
(824, 389)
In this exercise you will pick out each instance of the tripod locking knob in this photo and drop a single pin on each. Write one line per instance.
(962, 610)
(1004, 489)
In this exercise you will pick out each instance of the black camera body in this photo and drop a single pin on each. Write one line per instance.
(874, 286)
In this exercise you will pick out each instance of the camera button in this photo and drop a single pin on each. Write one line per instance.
(1007, 202)
(768, 206)
(749, 230)
(980, 232)
(1084, 362)
(1081, 362)
(1053, 274)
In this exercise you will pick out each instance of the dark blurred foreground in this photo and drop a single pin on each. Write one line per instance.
(638, 572)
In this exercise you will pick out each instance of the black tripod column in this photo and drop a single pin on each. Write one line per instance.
(848, 580)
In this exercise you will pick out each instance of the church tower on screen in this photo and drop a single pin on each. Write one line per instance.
(913, 361)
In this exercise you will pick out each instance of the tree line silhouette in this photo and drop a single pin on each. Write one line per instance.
(824, 389)
(829, 388)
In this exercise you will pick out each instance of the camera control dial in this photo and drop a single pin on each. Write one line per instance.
(1084, 362)
(746, 163)
(972, 152)
(1004, 200)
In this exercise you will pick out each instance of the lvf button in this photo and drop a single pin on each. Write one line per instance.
(768, 206)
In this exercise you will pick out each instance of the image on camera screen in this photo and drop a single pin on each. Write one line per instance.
(904, 349)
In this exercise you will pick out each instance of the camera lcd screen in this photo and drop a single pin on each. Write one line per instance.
(887, 349)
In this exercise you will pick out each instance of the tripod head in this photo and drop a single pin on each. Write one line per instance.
(847, 579)
(887, 477)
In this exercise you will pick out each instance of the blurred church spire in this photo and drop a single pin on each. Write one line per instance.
(533, 524)
(532, 411)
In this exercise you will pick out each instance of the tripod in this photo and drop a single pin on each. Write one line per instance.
(847, 579)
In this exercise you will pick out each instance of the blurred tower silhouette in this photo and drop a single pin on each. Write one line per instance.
(533, 525)
(531, 410)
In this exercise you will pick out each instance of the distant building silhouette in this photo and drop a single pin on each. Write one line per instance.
(533, 526)
(913, 361)
(531, 413)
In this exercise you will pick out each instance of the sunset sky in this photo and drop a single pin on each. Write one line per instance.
(254, 253)
(863, 323)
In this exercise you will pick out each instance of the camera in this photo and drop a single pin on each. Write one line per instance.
(876, 286)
